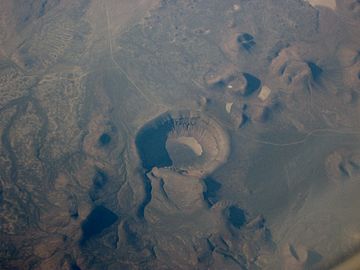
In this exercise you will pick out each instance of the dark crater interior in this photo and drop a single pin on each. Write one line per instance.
(98, 220)
(104, 139)
(151, 141)
(236, 216)
(246, 41)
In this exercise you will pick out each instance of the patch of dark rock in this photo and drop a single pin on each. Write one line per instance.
(131, 237)
(205, 258)
(253, 84)
(147, 199)
(246, 41)
(112, 240)
(343, 170)
(104, 139)
(73, 207)
(354, 164)
(68, 261)
(259, 222)
(204, 250)
(316, 71)
(151, 142)
(100, 179)
(293, 252)
(210, 244)
(236, 217)
(29, 62)
(269, 111)
(266, 114)
(74, 266)
(245, 120)
(8, 250)
(275, 51)
(94, 194)
(313, 259)
(42, 8)
(96, 222)
(212, 187)
(282, 70)
(221, 84)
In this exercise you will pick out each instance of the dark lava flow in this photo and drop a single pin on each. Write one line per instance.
(151, 142)
(236, 216)
(316, 71)
(212, 187)
(246, 41)
(104, 139)
(98, 220)
(99, 181)
(252, 85)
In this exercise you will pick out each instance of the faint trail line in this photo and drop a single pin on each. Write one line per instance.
(119, 67)
(306, 136)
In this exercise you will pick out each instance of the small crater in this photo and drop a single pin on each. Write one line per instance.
(246, 41)
(96, 222)
(104, 139)
(236, 216)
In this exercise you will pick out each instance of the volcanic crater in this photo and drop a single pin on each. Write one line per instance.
(188, 141)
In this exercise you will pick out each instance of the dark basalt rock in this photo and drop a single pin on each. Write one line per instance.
(236, 217)
(104, 139)
(253, 84)
(246, 41)
(131, 237)
(245, 119)
(316, 71)
(212, 187)
(147, 199)
(100, 179)
(96, 222)
(73, 207)
(74, 266)
(151, 142)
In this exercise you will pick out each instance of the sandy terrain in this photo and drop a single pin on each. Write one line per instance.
(326, 3)
(192, 143)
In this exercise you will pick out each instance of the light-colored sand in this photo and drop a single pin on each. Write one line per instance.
(326, 3)
(228, 106)
(264, 93)
(192, 143)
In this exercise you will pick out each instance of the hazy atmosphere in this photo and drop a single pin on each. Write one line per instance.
(179, 134)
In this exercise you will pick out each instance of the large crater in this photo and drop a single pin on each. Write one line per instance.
(185, 140)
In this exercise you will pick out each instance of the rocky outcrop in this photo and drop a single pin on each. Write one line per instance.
(187, 234)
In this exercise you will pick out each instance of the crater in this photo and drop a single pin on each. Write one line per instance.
(236, 216)
(233, 81)
(184, 140)
(104, 139)
(246, 41)
(97, 221)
